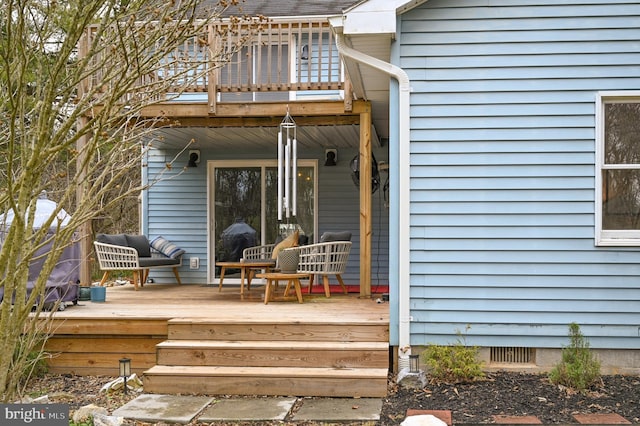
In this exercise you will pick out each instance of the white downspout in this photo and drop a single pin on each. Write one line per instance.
(404, 313)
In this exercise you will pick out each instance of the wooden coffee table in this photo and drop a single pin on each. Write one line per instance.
(291, 278)
(246, 270)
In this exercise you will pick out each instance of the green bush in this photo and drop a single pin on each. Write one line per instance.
(578, 369)
(87, 422)
(454, 363)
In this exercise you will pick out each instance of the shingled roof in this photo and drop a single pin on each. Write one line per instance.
(273, 8)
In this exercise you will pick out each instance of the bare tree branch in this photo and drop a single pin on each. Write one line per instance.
(74, 78)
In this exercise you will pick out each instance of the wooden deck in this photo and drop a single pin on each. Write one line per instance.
(180, 336)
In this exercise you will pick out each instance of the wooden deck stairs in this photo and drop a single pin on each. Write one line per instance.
(323, 357)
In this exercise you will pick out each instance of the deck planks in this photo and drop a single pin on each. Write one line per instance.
(89, 338)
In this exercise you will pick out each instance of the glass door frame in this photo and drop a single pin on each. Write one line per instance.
(256, 163)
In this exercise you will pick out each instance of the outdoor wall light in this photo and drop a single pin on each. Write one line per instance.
(194, 158)
(331, 157)
(125, 371)
(305, 52)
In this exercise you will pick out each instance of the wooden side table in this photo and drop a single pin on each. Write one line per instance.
(246, 269)
(292, 279)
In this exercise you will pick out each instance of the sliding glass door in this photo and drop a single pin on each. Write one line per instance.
(243, 198)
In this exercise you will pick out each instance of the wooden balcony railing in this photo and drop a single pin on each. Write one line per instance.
(282, 57)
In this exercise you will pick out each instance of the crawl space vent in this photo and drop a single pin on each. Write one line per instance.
(513, 355)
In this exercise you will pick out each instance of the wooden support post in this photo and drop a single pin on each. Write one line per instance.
(365, 203)
(85, 230)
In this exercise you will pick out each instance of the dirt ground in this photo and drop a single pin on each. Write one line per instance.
(502, 393)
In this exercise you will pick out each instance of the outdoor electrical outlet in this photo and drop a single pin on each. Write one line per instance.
(194, 263)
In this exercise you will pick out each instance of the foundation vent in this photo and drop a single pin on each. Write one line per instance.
(513, 355)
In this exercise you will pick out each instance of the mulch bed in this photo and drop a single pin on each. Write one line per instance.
(516, 394)
(502, 393)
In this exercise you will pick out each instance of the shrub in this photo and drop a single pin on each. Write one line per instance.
(578, 369)
(29, 357)
(454, 363)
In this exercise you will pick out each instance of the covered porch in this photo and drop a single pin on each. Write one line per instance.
(233, 112)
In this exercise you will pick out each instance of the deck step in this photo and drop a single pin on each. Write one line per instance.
(298, 381)
(329, 330)
(273, 353)
(319, 356)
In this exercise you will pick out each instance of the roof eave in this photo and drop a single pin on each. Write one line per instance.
(375, 16)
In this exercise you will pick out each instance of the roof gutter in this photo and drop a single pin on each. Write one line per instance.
(404, 313)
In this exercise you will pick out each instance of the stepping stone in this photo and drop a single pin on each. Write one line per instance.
(155, 408)
(444, 415)
(248, 409)
(517, 420)
(339, 409)
(601, 419)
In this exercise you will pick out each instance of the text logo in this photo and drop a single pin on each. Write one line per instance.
(34, 414)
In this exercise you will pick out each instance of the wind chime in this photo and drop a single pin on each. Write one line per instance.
(287, 167)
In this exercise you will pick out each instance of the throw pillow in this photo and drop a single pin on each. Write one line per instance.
(167, 248)
(113, 239)
(290, 241)
(335, 236)
(140, 243)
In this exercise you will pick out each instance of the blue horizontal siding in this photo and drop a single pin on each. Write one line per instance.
(525, 85)
(476, 16)
(506, 258)
(506, 159)
(526, 295)
(503, 171)
(433, 221)
(436, 284)
(496, 146)
(512, 195)
(530, 333)
(506, 182)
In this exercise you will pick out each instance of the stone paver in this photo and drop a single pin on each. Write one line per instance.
(444, 415)
(339, 409)
(183, 409)
(601, 419)
(155, 408)
(249, 409)
(517, 420)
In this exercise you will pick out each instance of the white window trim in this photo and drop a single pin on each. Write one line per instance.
(604, 237)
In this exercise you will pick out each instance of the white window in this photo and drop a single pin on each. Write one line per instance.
(618, 169)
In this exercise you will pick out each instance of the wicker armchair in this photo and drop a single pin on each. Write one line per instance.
(325, 259)
(258, 253)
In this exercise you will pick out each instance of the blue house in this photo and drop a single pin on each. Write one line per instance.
(507, 131)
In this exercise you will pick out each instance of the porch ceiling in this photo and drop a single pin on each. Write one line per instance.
(250, 138)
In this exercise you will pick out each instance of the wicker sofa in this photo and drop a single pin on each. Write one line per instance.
(126, 252)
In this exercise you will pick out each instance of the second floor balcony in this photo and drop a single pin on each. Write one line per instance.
(277, 60)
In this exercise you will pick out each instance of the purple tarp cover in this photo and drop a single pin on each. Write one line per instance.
(62, 284)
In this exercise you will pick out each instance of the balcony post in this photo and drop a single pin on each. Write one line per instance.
(212, 81)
